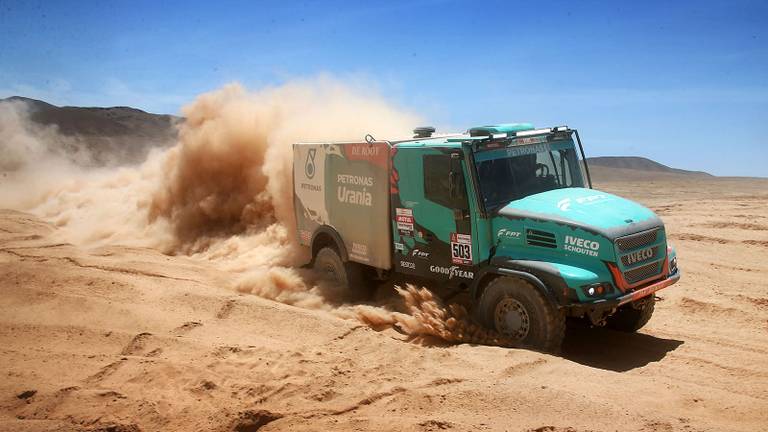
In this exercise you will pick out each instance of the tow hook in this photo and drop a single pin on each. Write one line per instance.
(597, 317)
(641, 303)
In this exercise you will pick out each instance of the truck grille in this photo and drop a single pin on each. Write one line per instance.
(641, 255)
(638, 240)
(641, 273)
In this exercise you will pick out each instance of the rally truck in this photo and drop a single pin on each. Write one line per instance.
(506, 212)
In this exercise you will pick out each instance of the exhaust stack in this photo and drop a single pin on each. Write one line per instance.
(423, 132)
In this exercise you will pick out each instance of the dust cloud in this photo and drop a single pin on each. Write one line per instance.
(32, 157)
(222, 194)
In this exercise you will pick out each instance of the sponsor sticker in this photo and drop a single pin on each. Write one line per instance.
(461, 249)
(581, 246)
(309, 165)
(399, 247)
(305, 236)
(311, 187)
(359, 252)
(356, 180)
(408, 265)
(373, 153)
(639, 256)
(418, 253)
(348, 189)
(404, 220)
(526, 150)
(452, 271)
(508, 234)
(530, 140)
(565, 203)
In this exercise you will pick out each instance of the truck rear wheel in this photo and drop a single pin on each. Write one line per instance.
(348, 277)
(633, 316)
(517, 310)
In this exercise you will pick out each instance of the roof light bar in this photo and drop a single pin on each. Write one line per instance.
(533, 132)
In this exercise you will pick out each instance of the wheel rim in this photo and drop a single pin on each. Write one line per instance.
(511, 319)
(329, 272)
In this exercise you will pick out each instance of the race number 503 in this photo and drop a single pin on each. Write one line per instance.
(461, 248)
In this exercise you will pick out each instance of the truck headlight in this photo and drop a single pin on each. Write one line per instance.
(597, 290)
(673, 265)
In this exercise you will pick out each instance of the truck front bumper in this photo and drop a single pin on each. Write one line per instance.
(603, 305)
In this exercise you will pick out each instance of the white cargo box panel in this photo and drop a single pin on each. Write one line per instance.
(345, 186)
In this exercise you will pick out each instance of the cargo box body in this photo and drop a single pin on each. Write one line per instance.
(345, 186)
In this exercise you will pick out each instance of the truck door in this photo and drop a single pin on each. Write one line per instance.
(432, 224)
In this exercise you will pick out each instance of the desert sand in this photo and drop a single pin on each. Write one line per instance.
(118, 338)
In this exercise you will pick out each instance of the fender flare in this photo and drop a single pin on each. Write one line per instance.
(330, 231)
(533, 272)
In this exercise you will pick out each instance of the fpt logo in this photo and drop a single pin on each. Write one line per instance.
(505, 233)
(565, 203)
(309, 166)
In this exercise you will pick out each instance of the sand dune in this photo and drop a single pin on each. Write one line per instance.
(118, 338)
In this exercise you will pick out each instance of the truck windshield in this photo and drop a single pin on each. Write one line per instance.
(528, 170)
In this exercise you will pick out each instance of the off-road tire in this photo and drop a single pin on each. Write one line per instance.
(349, 276)
(630, 317)
(546, 323)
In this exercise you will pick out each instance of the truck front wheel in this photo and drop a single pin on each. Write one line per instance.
(633, 316)
(347, 277)
(517, 310)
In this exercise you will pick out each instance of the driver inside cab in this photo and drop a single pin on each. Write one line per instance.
(508, 179)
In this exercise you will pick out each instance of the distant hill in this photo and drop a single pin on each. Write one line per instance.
(114, 133)
(633, 166)
(126, 134)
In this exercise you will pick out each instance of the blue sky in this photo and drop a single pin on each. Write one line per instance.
(684, 83)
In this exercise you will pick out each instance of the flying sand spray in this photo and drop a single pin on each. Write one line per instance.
(223, 194)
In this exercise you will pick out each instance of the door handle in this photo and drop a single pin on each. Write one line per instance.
(460, 214)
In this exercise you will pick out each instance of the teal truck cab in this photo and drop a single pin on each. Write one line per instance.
(505, 211)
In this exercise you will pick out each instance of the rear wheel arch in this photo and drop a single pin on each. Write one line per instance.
(347, 275)
(326, 236)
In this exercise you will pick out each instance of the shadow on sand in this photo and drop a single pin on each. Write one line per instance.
(613, 350)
